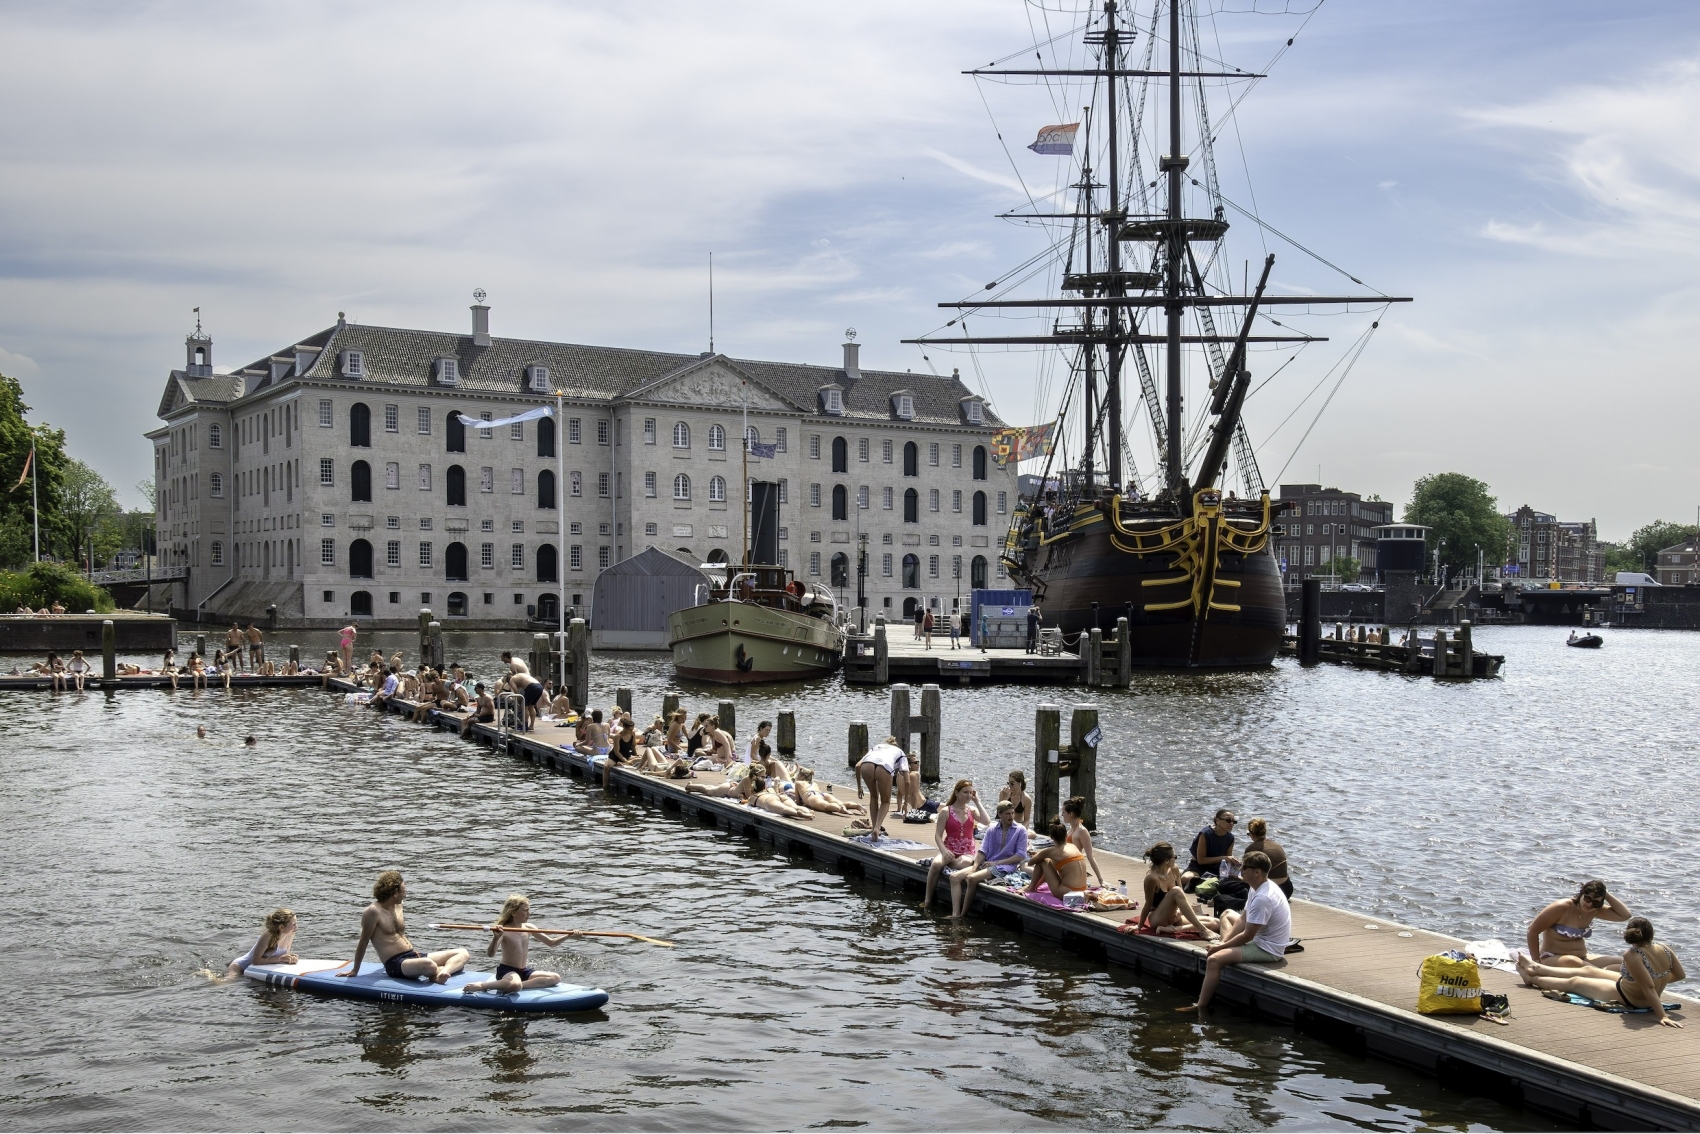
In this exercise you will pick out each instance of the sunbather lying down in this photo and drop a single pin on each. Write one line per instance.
(811, 795)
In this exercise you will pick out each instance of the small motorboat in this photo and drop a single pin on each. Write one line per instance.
(1589, 641)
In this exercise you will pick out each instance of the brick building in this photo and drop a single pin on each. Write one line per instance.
(1679, 565)
(1545, 547)
(1324, 524)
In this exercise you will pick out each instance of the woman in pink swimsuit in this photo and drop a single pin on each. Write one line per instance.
(347, 633)
(953, 834)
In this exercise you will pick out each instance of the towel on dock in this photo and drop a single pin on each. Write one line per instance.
(887, 843)
(1601, 1005)
(1044, 897)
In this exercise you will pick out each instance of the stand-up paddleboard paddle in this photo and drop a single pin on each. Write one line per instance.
(551, 932)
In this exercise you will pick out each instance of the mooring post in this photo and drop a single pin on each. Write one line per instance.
(201, 645)
(578, 656)
(1124, 654)
(435, 630)
(787, 738)
(1047, 788)
(1466, 649)
(1310, 621)
(728, 714)
(623, 698)
(900, 721)
(669, 706)
(538, 659)
(109, 650)
(424, 635)
(882, 655)
(1092, 657)
(858, 746)
(295, 657)
(932, 733)
(1440, 648)
(1083, 737)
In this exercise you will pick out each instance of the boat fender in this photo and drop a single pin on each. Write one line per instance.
(742, 660)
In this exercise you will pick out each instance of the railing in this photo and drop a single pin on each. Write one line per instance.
(138, 575)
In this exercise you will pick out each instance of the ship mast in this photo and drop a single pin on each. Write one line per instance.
(1118, 286)
(1173, 163)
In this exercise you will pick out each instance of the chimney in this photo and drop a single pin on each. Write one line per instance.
(852, 361)
(480, 324)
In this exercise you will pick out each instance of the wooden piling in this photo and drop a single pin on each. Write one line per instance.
(1124, 654)
(538, 661)
(201, 644)
(1440, 653)
(727, 711)
(787, 738)
(1047, 788)
(882, 655)
(623, 698)
(295, 657)
(932, 733)
(901, 725)
(109, 650)
(669, 706)
(858, 742)
(1466, 649)
(578, 657)
(1310, 622)
(425, 635)
(1091, 657)
(1083, 778)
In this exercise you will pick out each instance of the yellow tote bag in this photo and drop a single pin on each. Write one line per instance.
(1450, 986)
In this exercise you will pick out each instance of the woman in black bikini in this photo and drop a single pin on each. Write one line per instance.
(1016, 793)
(1165, 906)
(1645, 970)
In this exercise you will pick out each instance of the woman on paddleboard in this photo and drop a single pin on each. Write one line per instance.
(513, 973)
(272, 947)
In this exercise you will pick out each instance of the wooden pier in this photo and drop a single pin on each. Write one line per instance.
(1442, 656)
(1354, 984)
(891, 653)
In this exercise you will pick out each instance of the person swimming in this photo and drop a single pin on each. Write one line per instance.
(271, 947)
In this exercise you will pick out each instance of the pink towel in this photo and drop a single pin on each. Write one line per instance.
(1044, 897)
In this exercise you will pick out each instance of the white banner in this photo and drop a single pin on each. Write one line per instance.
(528, 415)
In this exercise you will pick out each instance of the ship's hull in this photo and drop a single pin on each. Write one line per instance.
(736, 643)
(1087, 567)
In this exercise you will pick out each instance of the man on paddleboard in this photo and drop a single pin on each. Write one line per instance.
(383, 926)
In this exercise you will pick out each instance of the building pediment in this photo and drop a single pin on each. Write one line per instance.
(712, 382)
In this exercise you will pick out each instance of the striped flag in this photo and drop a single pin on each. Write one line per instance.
(1055, 139)
(25, 475)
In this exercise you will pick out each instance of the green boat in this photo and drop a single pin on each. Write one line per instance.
(756, 624)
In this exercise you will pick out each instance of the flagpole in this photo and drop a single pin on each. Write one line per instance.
(746, 504)
(35, 499)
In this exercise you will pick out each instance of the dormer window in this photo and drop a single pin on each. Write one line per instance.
(352, 363)
(903, 405)
(832, 400)
(537, 377)
(975, 410)
(448, 372)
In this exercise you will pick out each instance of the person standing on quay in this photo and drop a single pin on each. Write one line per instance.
(1033, 620)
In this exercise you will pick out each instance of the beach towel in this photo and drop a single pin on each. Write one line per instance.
(887, 843)
(1601, 1005)
(1044, 897)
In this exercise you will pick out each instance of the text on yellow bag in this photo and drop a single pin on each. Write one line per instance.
(1450, 985)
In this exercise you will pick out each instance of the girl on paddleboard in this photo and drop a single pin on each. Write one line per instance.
(272, 947)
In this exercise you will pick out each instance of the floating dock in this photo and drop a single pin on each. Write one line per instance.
(1355, 984)
(891, 653)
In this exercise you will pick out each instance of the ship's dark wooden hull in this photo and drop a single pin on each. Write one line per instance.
(1086, 568)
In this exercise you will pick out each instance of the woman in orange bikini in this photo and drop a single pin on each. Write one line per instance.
(1059, 866)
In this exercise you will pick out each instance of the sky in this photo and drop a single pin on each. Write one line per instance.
(1528, 172)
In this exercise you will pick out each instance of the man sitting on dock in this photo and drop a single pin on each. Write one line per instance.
(391, 683)
(1003, 848)
(1258, 937)
(383, 926)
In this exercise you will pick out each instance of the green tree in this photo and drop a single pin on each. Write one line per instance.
(1461, 515)
(43, 584)
(1347, 567)
(17, 527)
(87, 507)
(1641, 552)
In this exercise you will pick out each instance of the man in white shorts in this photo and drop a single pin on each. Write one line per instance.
(1257, 937)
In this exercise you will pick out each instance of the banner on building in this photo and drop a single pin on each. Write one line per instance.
(528, 415)
(1022, 442)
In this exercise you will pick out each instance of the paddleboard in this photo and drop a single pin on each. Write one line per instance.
(375, 984)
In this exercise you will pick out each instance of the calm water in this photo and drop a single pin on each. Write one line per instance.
(797, 998)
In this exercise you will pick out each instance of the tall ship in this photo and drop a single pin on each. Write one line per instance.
(755, 621)
(1138, 251)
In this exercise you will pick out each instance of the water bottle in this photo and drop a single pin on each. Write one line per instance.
(1124, 887)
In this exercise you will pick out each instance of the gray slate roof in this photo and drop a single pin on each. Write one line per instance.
(405, 358)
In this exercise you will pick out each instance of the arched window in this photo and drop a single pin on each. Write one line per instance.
(979, 462)
(215, 484)
(547, 559)
(545, 437)
(360, 482)
(911, 506)
(977, 572)
(911, 572)
(681, 435)
(360, 604)
(840, 501)
(360, 560)
(911, 459)
(717, 488)
(545, 488)
(717, 556)
(716, 439)
(360, 426)
(681, 487)
(217, 553)
(454, 563)
(455, 483)
(457, 604)
(752, 436)
(455, 433)
(979, 509)
(840, 455)
(841, 570)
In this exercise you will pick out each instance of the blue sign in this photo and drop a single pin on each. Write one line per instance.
(1283, 562)
(1093, 737)
(1009, 612)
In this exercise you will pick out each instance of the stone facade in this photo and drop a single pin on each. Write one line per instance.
(333, 480)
